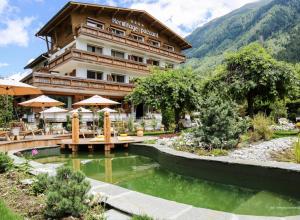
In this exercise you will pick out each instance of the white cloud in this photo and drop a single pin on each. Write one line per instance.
(15, 32)
(14, 29)
(3, 64)
(183, 16)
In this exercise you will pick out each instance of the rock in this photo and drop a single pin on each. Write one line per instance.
(27, 181)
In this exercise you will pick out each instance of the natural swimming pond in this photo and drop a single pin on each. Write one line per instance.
(144, 175)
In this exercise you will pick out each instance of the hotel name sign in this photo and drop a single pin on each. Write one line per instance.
(134, 26)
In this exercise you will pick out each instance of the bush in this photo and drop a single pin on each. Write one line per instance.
(67, 194)
(297, 150)
(101, 120)
(220, 126)
(6, 162)
(41, 184)
(168, 118)
(261, 127)
(141, 217)
(278, 110)
(68, 123)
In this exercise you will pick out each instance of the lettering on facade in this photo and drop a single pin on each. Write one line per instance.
(134, 26)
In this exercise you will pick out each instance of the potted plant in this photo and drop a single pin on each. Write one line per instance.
(140, 131)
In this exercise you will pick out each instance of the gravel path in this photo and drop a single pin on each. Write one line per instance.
(261, 151)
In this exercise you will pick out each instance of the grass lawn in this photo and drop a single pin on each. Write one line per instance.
(7, 214)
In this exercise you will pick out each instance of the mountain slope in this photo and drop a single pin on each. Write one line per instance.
(273, 22)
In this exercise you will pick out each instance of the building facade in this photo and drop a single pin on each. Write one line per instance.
(95, 49)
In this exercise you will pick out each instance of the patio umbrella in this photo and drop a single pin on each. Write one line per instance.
(107, 110)
(14, 88)
(41, 102)
(86, 114)
(94, 102)
(54, 111)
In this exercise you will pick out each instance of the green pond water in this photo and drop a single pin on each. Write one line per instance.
(142, 174)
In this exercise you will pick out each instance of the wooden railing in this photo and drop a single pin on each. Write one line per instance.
(89, 57)
(68, 82)
(105, 35)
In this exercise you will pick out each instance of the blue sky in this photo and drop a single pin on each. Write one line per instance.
(21, 19)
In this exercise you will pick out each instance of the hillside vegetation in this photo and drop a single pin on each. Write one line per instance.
(274, 23)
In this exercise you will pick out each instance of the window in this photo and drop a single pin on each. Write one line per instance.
(117, 32)
(136, 58)
(169, 66)
(116, 78)
(153, 62)
(91, 74)
(137, 37)
(118, 54)
(168, 47)
(93, 23)
(154, 43)
(94, 49)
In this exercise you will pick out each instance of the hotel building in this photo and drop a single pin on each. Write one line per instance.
(95, 49)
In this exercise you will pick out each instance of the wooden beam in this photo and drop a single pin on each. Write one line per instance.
(116, 12)
(99, 11)
(83, 8)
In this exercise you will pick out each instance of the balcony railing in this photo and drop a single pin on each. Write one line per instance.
(89, 57)
(75, 83)
(105, 35)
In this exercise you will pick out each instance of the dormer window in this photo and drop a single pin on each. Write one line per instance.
(168, 47)
(95, 24)
(137, 37)
(117, 32)
(154, 43)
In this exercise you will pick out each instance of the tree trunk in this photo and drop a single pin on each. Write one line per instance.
(177, 119)
(250, 102)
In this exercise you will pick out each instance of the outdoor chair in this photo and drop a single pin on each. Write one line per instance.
(27, 130)
(5, 134)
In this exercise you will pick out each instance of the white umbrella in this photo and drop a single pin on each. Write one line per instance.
(12, 87)
(82, 110)
(107, 110)
(95, 101)
(41, 102)
(54, 111)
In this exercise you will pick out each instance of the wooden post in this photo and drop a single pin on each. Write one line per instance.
(107, 132)
(75, 131)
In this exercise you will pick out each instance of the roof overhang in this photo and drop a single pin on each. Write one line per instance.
(72, 5)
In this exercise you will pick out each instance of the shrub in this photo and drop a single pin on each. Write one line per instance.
(168, 118)
(297, 150)
(278, 110)
(141, 217)
(261, 127)
(220, 126)
(6, 162)
(41, 183)
(131, 124)
(101, 120)
(67, 194)
(68, 123)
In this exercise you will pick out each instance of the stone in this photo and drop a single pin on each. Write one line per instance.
(113, 214)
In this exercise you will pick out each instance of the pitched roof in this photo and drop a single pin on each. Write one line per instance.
(72, 5)
(36, 61)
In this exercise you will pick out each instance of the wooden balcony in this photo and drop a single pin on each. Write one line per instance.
(89, 57)
(105, 35)
(55, 84)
